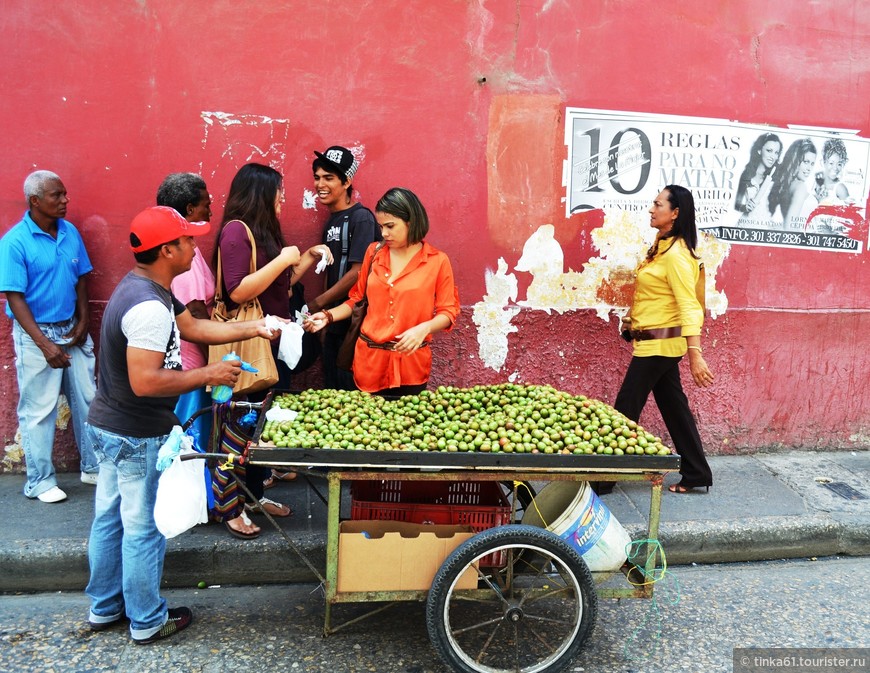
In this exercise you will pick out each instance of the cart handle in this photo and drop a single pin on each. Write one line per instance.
(231, 405)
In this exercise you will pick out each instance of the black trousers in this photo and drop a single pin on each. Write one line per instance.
(661, 376)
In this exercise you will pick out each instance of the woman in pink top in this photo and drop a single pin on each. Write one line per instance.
(188, 194)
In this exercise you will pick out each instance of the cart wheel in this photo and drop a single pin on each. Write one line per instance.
(532, 615)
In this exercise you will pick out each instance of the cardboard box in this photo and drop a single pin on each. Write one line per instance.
(396, 556)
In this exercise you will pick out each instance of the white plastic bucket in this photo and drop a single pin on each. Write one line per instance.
(577, 515)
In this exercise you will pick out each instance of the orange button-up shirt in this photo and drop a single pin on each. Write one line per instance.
(424, 289)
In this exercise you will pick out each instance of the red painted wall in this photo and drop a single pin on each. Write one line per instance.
(463, 102)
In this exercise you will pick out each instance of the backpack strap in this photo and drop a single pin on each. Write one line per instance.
(345, 245)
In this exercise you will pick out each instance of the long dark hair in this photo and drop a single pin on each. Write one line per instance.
(752, 166)
(780, 193)
(681, 199)
(252, 200)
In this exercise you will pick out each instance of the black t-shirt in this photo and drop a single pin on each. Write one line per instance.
(152, 326)
(361, 230)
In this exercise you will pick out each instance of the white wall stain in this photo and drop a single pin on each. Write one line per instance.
(238, 139)
(479, 22)
(493, 315)
(358, 151)
(13, 454)
(622, 242)
(309, 200)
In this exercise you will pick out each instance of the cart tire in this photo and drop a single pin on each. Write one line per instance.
(533, 615)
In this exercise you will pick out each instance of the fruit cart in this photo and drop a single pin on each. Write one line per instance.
(508, 598)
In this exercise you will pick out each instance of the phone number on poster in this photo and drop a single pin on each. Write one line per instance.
(798, 239)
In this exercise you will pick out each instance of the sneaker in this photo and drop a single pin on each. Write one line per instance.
(179, 619)
(89, 478)
(102, 626)
(54, 494)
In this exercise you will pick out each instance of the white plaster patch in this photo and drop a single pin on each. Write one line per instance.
(237, 139)
(359, 152)
(622, 241)
(13, 454)
(493, 315)
(309, 200)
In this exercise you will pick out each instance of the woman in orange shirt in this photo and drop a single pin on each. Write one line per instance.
(411, 294)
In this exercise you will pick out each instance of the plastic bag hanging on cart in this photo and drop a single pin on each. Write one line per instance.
(182, 500)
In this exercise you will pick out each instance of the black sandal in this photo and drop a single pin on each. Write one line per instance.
(686, 488)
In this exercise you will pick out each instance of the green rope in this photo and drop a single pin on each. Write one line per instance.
(650, 627)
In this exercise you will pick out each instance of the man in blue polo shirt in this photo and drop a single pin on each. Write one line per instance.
(43, 263)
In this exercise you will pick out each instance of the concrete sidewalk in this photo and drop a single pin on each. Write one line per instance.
(764, 506)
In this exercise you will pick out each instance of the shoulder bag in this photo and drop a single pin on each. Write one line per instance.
(256, 351)
(344, 359)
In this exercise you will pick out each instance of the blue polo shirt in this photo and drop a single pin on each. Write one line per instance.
(45, 269)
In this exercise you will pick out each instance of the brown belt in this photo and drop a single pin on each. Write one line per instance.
(387, 346)
(659, 333)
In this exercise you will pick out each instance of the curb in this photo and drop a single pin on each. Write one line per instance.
(193, 558)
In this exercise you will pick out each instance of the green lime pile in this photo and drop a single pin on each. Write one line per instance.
(507, 418)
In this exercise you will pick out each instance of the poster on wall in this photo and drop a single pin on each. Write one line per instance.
(795, 187)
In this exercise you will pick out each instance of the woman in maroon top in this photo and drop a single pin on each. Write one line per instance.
(255, 199)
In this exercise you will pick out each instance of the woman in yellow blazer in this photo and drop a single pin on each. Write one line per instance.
(664, 324)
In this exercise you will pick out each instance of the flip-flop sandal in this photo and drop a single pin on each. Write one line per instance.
(242, 535)
(270, 506)
(276, 476)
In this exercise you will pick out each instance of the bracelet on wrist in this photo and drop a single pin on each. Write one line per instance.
(697, 348)
(329, 317)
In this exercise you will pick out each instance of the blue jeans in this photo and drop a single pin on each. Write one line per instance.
(125, 549)
(39, 386)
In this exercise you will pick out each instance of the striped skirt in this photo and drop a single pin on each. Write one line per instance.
(229, 439)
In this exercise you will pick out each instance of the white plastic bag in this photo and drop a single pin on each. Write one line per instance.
(181, 498)
(290, 346)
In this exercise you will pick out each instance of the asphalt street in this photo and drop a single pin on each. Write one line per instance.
(699, 615)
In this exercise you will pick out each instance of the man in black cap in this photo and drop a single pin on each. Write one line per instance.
(348, 232)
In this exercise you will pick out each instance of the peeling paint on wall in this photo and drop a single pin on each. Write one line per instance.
(13, 454)
(237, 139)
(605, 284)
(309, 200)
(493, 316)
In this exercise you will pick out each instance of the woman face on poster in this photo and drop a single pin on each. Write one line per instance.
(764, 154)
(769, 153)
(763, 159)
(805, 167)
